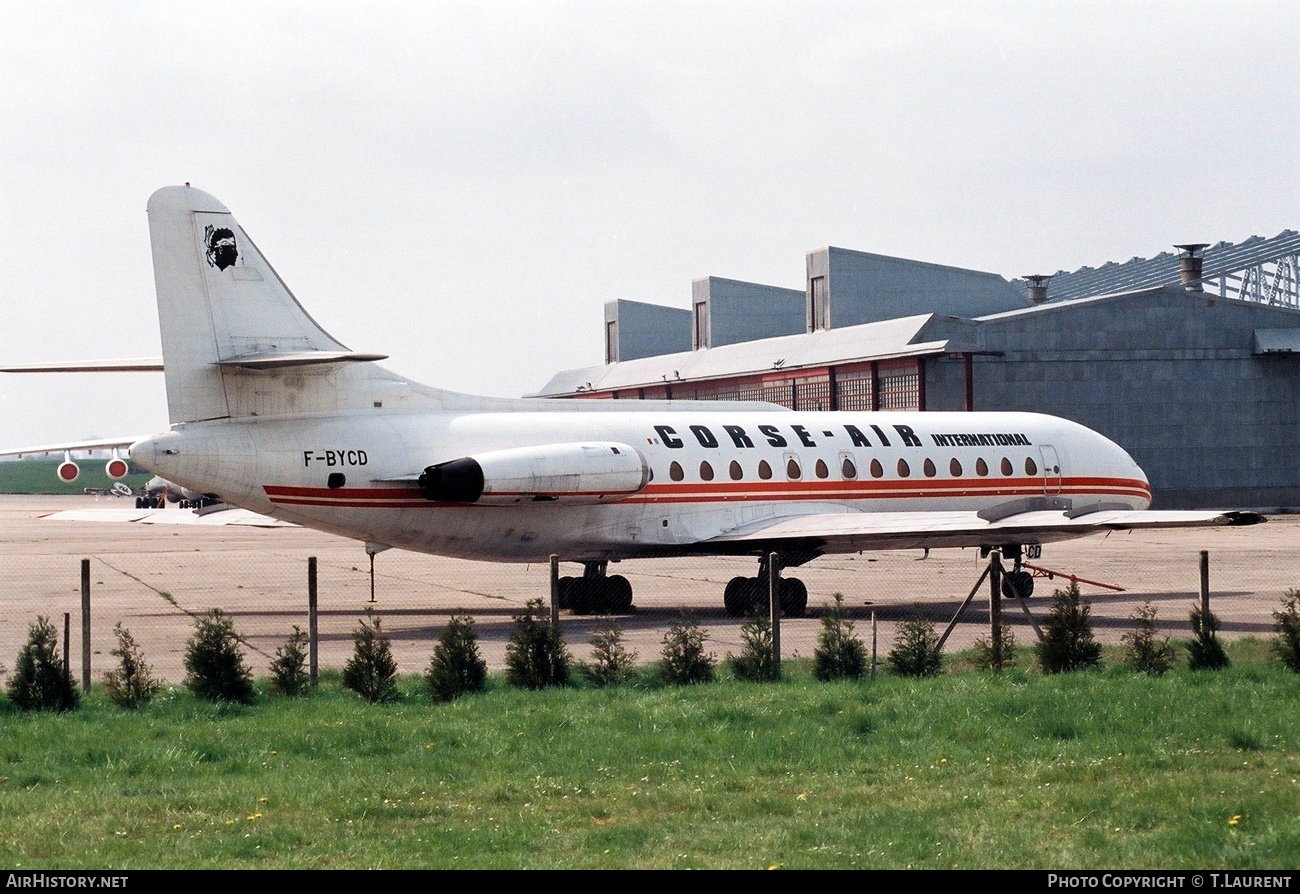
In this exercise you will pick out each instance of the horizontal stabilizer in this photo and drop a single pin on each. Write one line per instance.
(143, 364)
(280, 360)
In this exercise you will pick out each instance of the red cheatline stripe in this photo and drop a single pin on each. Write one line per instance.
(404, 497)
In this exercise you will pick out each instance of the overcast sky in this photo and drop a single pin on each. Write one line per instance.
(464, 185)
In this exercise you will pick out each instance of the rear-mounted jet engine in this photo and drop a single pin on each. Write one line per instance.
(571, 473)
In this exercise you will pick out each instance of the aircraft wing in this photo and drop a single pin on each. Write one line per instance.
(840, 532)
(100, 444)
(218, 515)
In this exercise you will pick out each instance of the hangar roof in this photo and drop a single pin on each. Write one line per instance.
(1220, 260)
(923, 334)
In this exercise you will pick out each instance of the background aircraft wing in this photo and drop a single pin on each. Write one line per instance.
(100, 444)
(838, 532)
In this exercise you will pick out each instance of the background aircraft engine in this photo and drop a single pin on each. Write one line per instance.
(596, 472)
(68, 470)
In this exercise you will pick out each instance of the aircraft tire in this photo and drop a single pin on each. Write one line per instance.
(734, 596)
(583, 596)
(618, 595)
(1017, 585)
(564, 593)
(794, 597)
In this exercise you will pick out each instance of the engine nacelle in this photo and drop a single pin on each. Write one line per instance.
(116, 468)
(595, 472)
(68, 471)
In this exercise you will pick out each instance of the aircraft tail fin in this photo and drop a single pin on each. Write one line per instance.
(229, 323)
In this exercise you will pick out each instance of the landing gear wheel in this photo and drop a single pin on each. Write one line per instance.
(564, 593)
(794, 597)
(583, 596)
(741, 596)
(618, 595)
(1017, 585)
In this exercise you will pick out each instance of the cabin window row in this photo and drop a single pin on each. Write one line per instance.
(849, 469)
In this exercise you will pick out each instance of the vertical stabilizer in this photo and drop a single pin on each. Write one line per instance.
(218, 301)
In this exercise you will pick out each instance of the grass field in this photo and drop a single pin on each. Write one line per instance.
(1106, 769)
(39, 476)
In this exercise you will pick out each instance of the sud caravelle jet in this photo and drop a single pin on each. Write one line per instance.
(271, 413)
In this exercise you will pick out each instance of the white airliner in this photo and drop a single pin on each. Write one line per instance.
(271, 413)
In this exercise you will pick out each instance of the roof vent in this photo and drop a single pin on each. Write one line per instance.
(1190, 258)
(1037, 287)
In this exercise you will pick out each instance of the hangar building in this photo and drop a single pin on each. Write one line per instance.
(1189, 359)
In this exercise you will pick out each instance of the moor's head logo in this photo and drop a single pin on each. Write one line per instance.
(222, 252)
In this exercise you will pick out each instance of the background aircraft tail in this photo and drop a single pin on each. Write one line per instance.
(235, 341)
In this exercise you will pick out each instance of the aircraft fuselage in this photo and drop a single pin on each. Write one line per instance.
(706, 473)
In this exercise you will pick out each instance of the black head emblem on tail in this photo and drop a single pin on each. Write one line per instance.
(222, 252)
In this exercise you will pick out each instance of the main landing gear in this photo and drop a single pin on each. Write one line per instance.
(596, 593)
(744, 595)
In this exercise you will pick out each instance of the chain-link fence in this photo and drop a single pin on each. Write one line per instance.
(157, 579)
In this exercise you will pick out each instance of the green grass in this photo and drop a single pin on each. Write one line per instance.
(1094, 770)
(40, 476)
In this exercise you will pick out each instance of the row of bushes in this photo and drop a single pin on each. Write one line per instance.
(536, 656)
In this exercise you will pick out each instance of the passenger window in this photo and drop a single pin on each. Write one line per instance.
(850, 471)
(675, 471)
(954, 468)
(792, 470)
(821, 470)
(903, 470)
(706, 471)
(736, 472)
(1006, 466)
(1031, 467)
(929, 469)
(764, 470)
(981, 467)
(877, 470)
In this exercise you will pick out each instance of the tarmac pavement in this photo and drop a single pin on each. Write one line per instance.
(157, 579)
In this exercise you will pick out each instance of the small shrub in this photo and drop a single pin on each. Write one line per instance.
(1068, 643)
(536, 656)
(612, 663)
(371, 672)
(456, 667)
(289, 673)
(839, 654)
(684, 659)
(1287, 624)
(755, 663)
(997, 651)
(1144, 650)
(41, 681)
(215, 669)
(132, 683)
(1204, 651)
(916, 647)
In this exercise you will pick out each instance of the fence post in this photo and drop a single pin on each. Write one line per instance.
(85, 625)
(1205, 583)
(555, 590)
(774, 606)
(67, 633)
(873, 644)
(313, 665)
(995, 598)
